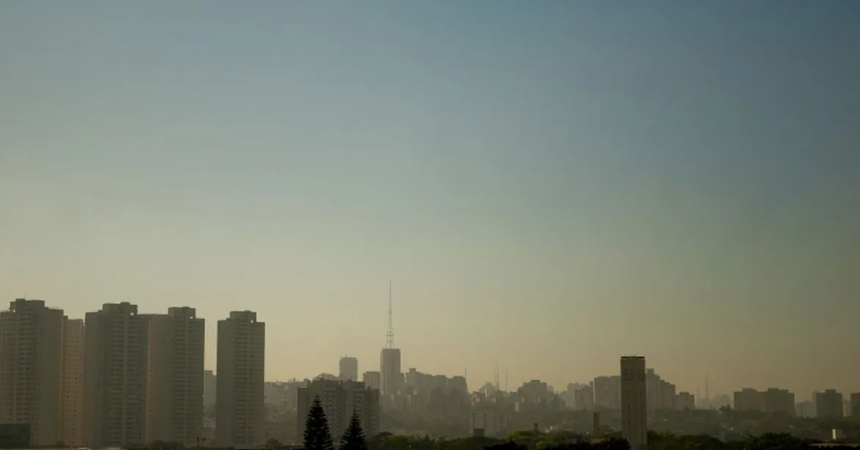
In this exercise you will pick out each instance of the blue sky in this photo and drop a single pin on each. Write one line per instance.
(548, 184)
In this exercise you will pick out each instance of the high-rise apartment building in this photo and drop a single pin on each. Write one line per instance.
(175, 376)
(634, 413)
(210, 388)
(116, 360)
(391, 378)
(828, 404)
(685, 401)
(372, 379)
(855, 404)
(607, 392)
(339, 400)
(31, 368)
(72, 411)
(241, 366)
(348, 369)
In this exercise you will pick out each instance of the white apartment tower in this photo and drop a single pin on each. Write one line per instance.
(240, 384)
(72, 412)
(634, 414)
(175, 377)
(348, 369)
(31, 368)
(116, 357)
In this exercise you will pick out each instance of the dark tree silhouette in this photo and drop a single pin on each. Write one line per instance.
(317, 435)
(353, 437)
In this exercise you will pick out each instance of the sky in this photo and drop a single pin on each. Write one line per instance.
(547, 185)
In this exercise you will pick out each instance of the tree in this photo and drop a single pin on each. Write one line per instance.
(317, 435)
(353, 437)
(273, 444)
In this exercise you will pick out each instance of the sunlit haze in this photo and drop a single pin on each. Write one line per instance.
(547, 185)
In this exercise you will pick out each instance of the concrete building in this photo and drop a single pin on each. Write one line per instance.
(175, 378)
(855, 404)
(339, 399)
(72, 412)
(116, 359)
(31, 358)
(779, 401)
(607, 392)
(685, 401)
(210, 388)
(634, 412)
(583, 398)
(373, 380)
(748, 399)
(391, 378)
(239, 417)
(828, 404)
(490, 423)
(348, 369)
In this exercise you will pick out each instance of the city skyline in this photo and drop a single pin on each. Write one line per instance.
(548, 184)
(474, 383)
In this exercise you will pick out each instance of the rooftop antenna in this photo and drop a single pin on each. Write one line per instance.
(389, 337)
(506, 378)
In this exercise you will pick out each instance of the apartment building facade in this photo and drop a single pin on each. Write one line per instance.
(240, 390)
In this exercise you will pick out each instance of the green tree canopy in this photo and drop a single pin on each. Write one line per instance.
(353, 437)
(317, 435)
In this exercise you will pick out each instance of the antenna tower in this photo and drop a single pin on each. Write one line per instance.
(389, 336)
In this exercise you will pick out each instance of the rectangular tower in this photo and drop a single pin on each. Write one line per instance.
(72, 421)
(390, 375)
(634, 414)
(31, 358)
(240, 385)
(175, 379)
(348, 369)
(210, 381)
(116, 358)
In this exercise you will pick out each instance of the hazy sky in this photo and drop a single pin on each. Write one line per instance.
(548, 184)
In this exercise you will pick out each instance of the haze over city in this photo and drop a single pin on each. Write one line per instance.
(548, 185)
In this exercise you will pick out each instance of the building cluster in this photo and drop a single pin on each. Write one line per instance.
(827, 404)
(120, 378)
(605, 392)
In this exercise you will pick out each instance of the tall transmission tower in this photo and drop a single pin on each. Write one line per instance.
(389, 336)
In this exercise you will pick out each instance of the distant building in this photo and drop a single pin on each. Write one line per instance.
(116, 360)
(239, 420)
(805, 409)
(373, 380)
(492, 423)
(175, 387)
(828, 404)
(660, 394)
(339, 400)
(685, 401)
(855, 404)
(210, 388)
(634, 412)
(748, 399)
(607, 392)
(72, 420)
(391, 378)
(348, 369)
(31, 368)
(583, 398)
(779, 401)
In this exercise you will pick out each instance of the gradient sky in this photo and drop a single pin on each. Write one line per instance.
(549, 185)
